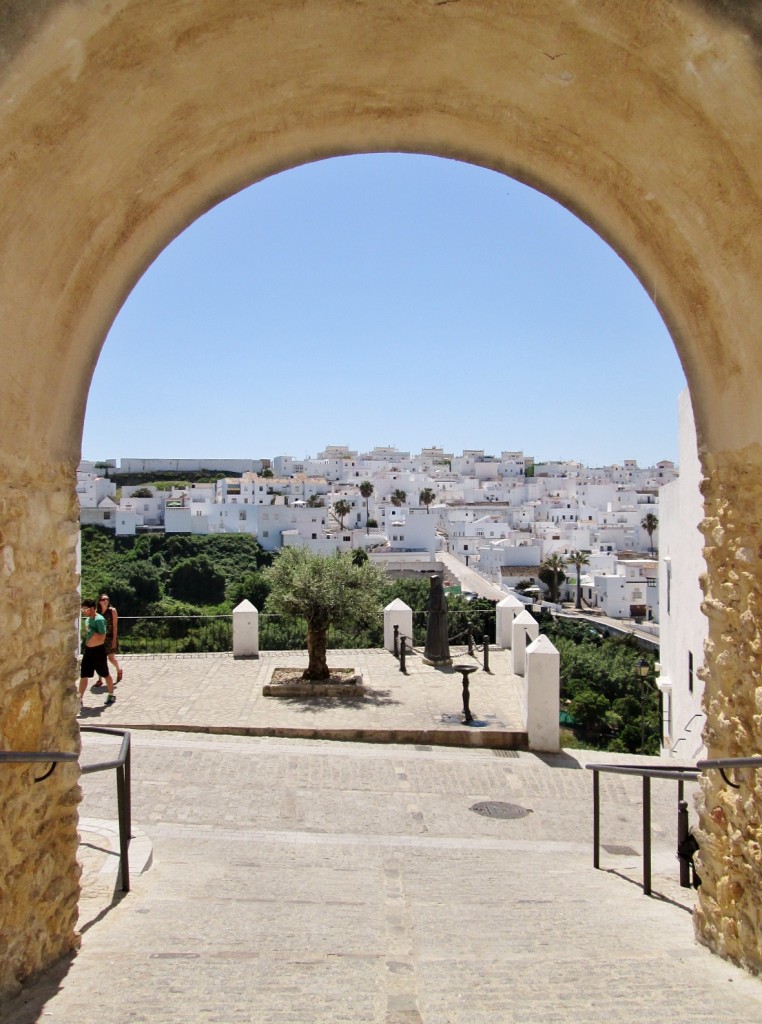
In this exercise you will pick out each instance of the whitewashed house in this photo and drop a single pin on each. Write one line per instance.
(684, 627)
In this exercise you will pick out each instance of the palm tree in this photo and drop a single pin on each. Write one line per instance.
(399, 498)
(578, 559)
(650, 522)
(341, 509)
(427, 497)
(366, 489)
(554, 566)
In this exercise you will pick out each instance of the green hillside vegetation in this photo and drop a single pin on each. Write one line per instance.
(601, 690)
(165, 481)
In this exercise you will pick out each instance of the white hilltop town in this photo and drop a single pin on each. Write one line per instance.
(499, 516)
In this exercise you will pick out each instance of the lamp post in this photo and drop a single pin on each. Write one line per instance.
(641, 670)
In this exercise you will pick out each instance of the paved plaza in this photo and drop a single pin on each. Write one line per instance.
(283, 880)
(218, 693)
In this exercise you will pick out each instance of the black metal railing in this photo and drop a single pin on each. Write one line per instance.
(51, 757)
(210, 634)
(721, 763)
(676, 773)
(123, 788)
(175, 634)
(121, 764)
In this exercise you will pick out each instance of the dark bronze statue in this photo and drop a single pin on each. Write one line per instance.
(437, 650)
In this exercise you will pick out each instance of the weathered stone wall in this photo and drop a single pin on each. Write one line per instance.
(729, 916)
(39, 880)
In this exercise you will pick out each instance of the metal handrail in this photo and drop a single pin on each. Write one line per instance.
(679, 773)
(122, 765)
(51, 757)
(721, 763)
(123, 788)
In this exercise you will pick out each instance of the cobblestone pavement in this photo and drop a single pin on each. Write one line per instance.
(316, 881)
(219, 693)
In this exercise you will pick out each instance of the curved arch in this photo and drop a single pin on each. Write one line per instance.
(124, 120)
(598, 112)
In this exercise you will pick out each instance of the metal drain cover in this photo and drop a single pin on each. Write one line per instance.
(497, 809)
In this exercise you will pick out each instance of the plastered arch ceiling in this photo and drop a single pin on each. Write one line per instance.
(124, 120)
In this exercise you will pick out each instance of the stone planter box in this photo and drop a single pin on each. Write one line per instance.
(287, 682)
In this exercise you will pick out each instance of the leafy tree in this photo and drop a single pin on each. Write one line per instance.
(252, 586)
(146, 581)
(366, 489)
(650, 522)
(578, 559)
(341, 508)
(427, 497)
(315, 501)
(196, 580)
(552, 574)
(267, 474)
(372, 523)
(322, 590)
(589, 710)
(399, 497)
(359, 556)
(142, 492)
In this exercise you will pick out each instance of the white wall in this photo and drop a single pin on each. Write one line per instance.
(683, 627)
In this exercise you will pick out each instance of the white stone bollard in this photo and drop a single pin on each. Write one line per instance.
(525, 630)
(543, 691)
(397, 614)
(505, 612)
(245, 631)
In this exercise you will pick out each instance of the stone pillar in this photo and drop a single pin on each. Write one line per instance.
(397, 614)
(39, 610)
(245, 631)
(525, 629)
(543, 686)
(729, 913)
(505, 612)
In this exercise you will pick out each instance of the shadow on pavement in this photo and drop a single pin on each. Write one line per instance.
(559, 760)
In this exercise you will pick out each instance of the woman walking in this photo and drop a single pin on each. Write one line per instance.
(109, 613)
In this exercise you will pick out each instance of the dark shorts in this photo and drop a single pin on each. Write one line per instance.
(94, 660)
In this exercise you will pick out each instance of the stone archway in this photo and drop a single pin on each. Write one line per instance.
(123, 121)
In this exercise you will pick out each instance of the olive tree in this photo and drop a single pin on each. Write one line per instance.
(322, 589)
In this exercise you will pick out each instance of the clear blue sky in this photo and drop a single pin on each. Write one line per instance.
(387, 299)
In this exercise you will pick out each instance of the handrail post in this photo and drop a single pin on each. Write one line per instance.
(403, 640)
(683, 832)
(121, 802)
(596, 819)
(470, 639)
(396, 640)
(646, 835)
(486, 653)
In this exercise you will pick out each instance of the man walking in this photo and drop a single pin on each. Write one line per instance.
(94, 654)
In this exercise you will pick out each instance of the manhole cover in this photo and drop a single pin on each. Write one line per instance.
(497, 809)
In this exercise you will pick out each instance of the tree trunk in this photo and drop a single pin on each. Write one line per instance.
(317, 642)
(578, 602)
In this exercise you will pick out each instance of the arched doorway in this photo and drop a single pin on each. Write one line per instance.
(123, 122)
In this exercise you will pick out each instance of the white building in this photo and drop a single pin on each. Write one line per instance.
(684, 627)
